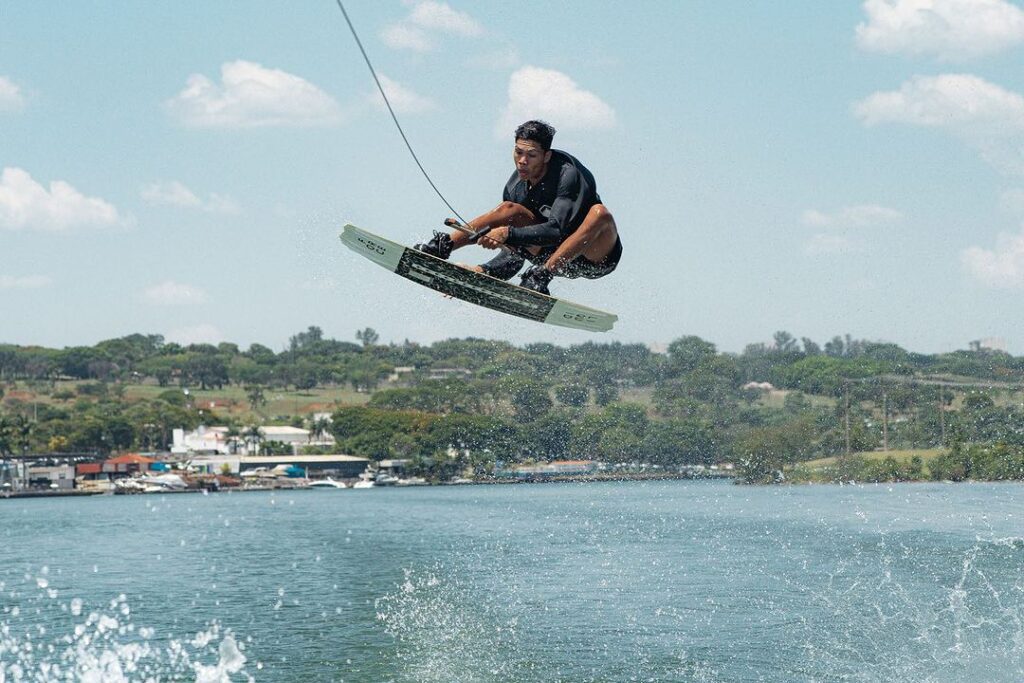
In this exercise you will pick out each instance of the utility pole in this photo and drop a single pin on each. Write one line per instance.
(942, 414)
(846, 395)
(885, 421)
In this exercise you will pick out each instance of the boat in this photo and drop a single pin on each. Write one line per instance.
(327, 483)
(384, 479)
(365, 481)
(411, 481)
(150, 483)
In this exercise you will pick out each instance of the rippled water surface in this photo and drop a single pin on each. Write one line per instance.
(666, 581)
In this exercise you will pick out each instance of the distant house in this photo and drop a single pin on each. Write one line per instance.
(988, 344)
(450, 373)
(90, 475)
(294, 436)
(401, 370)
(215, 440)
(394, 466)
(127, 464)
(59, 477)
(573, 466)
(202, 440)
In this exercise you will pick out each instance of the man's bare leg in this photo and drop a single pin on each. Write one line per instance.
(594, 240)
(506, 213)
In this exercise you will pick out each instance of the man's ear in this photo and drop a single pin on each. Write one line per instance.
(547, 156)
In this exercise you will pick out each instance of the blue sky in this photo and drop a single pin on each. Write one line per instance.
(823, 168)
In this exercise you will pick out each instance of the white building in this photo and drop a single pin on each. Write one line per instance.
(989, 344)
(215, 440)
(60, 477)
(203, 440)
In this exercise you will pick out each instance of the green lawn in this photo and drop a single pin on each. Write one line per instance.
(229, 400)
(901, 457)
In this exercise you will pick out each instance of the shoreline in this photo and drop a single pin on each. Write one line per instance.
(491, 481)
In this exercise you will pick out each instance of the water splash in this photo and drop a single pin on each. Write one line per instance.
(895, 613)
(43, 639)
(444, 633)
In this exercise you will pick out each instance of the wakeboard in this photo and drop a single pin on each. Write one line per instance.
(476, 288)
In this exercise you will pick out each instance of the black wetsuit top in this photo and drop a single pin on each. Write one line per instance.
(562, 199)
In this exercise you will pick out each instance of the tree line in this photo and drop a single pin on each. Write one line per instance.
(476, 402)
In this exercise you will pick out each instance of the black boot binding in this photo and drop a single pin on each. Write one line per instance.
(440, 245)
(537, 279)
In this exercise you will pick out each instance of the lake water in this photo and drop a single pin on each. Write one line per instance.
(633, 581)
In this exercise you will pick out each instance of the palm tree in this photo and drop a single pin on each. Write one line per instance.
(320, 427)
(233, 437)
(254, 437)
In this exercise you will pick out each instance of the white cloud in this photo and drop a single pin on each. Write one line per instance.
(405, 37)
(827, 243)
(402, 99)
(1002, 267)
(250, 96)
(952, 30)
(26, 204)
(174, 193)
(440, 16)
(535, 93)
(988, 117)
(11, 98)
(24, 282)
(426, 22)
(852, 217)
(956, 101)
(170, 293)
(196, 334)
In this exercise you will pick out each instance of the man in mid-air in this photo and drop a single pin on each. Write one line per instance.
(550, 214)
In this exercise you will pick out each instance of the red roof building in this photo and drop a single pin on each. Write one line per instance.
(129, 462)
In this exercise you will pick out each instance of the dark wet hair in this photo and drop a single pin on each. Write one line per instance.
(538, 131)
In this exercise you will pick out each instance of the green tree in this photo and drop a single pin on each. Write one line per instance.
(305, 340)
(605, 394)
(208, 370)
(784, 342)
(573, 394)
(254, 438)
(320, 427)
(687, 353)
(529, 397)
(764, 452)
(367, 337)
(256, 396)
(680, 442)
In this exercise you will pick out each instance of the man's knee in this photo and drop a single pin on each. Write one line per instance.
(513, 208)
(600, 219)
(515, 214)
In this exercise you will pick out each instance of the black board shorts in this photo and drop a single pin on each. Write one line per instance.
(585, 268)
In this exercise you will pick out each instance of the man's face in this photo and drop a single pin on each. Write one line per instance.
(530, 159)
